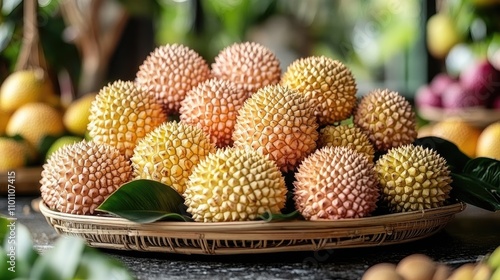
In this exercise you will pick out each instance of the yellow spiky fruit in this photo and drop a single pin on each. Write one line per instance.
(78, 177)
(121, 114)
(169, 153)
(387, 118)
(169, 72)
(413, 178)
(213, 106)
(250, 65)
(234, 184)
(335, 183)
(327, 82)
(349, 136)
(277, 121)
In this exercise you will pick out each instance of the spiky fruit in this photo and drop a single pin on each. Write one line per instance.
(387, 118)
(335, 183)
(234, 184)
(413, 178)
(327, 82)
(278, 122)
(121, 114)
(78, 177)
(213, 106)
(248, 64)
(170, 71)
(349, 136)
(169, 153)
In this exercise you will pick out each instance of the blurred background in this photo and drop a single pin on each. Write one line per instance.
(87, 43)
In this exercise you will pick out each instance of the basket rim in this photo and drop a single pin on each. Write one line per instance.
(380, 220)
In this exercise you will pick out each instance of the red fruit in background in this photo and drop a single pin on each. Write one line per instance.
(440, 82)
(456, 96)
(426, 97)
(495, 104)
(481, 79)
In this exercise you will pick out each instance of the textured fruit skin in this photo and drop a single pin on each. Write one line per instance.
(77, 178)
(234, 184)
(169, 153)
(278, 122)
(248, 64)
(169, 72)
(327, 82)
(335, 183)
(461, 133)
(213, 106)
(413, 178)
(122, 114)
(387, 118)
(488, 143)
(34, 121)
(349, 136)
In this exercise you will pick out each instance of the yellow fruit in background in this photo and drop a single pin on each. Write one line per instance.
(442, 35)
(4, 119)
(76, 117)
(461, 133)
(34, 121)
(14, 154)
(488, 144)
(60, 142)
(23, 87)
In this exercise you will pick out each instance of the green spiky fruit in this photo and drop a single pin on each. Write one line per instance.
(278, 122)
(327, 82)
(387, 118)
(169, 153)
(234, 184)
(335, 183)
(122, 114)
(78, 177)
(413, 178)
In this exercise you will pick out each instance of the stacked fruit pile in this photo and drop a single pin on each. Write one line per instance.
(421, 267)
(243, 128)
(33, 120)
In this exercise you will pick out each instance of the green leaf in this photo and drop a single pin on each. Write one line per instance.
(145, 201)
(4, 222)
(485, 169)
(95, 265)
(471, 190)
(61, 262)
(455, 158)
(270, 217)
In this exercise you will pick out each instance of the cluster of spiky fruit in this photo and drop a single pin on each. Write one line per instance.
(243, 127)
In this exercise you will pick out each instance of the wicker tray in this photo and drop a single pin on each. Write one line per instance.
(27, 180)
(251, 237)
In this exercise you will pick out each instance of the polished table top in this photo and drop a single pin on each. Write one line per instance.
(469, 236)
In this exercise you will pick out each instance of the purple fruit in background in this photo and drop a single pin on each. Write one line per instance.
(426, 97)
(456, 96)
(481, 79)
(440, 82)
(496, 103)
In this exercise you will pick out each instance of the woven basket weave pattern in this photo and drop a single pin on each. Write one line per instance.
(251, 237)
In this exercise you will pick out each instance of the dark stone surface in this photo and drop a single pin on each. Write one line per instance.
(472, 234)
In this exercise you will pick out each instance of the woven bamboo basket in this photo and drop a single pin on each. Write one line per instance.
(251, 237)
